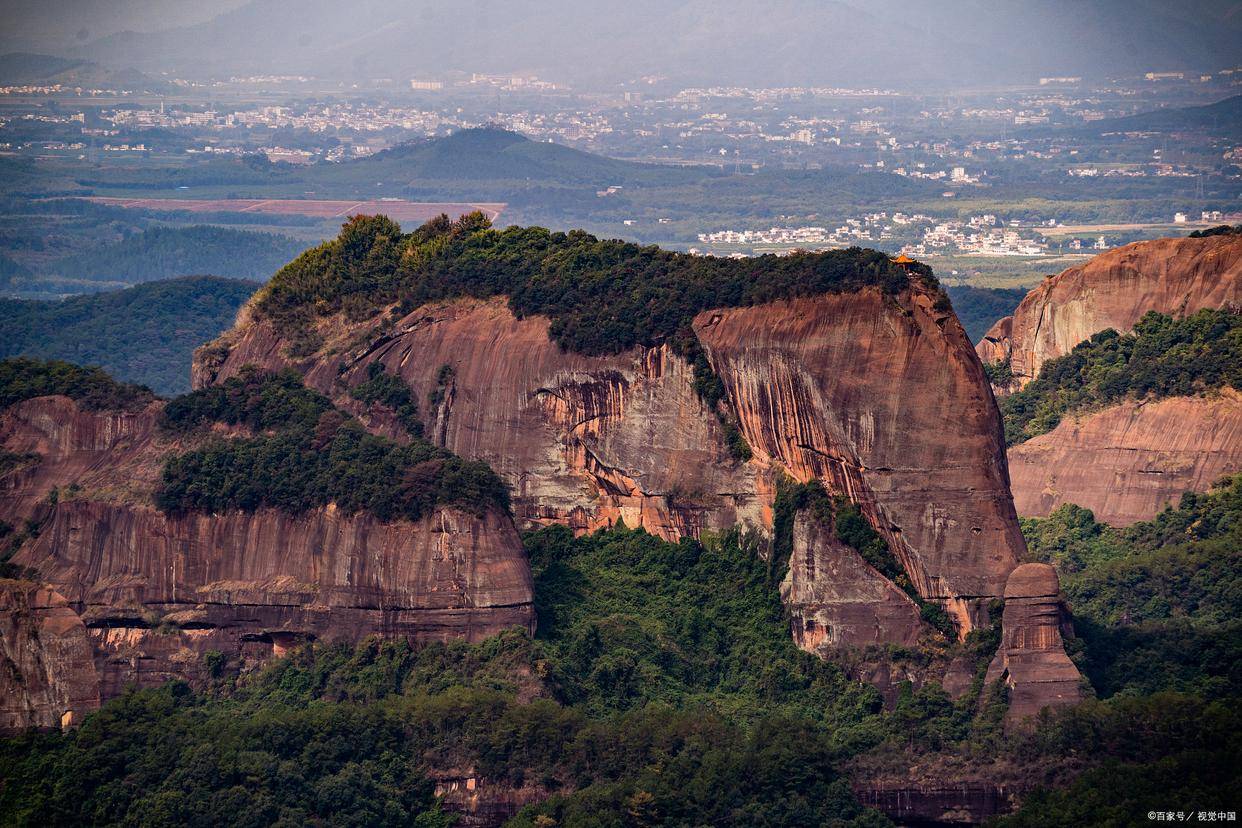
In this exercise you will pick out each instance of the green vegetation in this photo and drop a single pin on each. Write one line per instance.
(23, 379)
(1218, 230)
(630, 620)
(663, 688)
(145, 334)
(305, 453)
(1155, 604)
(665, 684)
(391, 391)
(1161, 357)
(978, 308)
(602, 296)
(1156, 608)
(165, 252)
(1164, 752)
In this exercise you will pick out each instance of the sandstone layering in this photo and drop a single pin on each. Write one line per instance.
(154, 593)
(1114, 290)
(878, 396)
(1129, 461)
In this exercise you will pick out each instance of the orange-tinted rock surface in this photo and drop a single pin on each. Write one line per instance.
(882, 400)
(878, 396)
(47, 673)
(1031, 658)
(1115, 290)
(835, 597)
(157, 592)
(1129, 461)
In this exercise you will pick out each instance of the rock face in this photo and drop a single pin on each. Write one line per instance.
(1031, 658)
(47, 674)
(883, 401)
(931, 804)
(835, 597)
(1129, 461)
(156, 593)
(1115, 290)
(878, 396)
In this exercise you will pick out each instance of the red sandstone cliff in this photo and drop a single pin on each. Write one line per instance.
(1115, 290)
(1129, 461)
(47, 674)
(1031, 659)
(878, 396)
(157, 592)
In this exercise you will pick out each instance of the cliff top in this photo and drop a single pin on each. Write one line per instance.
(603, 296)
(23, 379)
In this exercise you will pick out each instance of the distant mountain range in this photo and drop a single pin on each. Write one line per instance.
(882, 42)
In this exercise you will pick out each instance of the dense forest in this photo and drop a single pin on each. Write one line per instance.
(1156, 609)
(145, 334)
(978, 308)
(602, 296)
(24, 379)
(166, 252)
(305, 453)
(662, 688)
(1161, 357)
(1155, 604)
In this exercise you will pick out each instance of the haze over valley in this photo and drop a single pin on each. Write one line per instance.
(585, 414)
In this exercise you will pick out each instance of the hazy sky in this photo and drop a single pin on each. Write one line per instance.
(600, 42)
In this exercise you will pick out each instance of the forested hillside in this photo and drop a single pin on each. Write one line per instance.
(978, 308)
(144, 334)
(1156, 608)
(1161, 357)
(662, 683)
(165, 252)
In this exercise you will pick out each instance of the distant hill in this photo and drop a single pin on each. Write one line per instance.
(144, 334)
(47, 70)
(494, 154)
(10, 270)
(978, 308)
(166, 252)
(1223, 116)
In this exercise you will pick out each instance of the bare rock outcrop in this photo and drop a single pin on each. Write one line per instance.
(1031, 659)
(882, 400)
(878, 396)
(1127, 462)
(1115, 290)
(836, 598)
(47, 672)
(153, 593)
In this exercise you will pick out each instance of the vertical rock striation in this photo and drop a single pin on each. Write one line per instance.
(153, 593)
(882, 400)
(1031, 659)
(1115, 290)
(878, 396)
(47, 673)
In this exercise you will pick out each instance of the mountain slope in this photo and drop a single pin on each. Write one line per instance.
(144, 334)
(167, 252)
